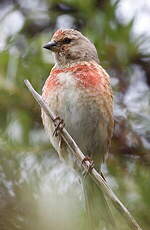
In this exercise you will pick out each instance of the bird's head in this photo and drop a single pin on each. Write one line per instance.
(70, 46)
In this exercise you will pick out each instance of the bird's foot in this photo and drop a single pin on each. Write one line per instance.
(59, 125)
(90, 167)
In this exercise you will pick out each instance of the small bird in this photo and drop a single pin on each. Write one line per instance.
(78, 90)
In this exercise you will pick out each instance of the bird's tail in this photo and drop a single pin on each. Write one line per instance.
(98, 211)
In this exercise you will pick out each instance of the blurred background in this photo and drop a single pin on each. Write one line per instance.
(36, 189)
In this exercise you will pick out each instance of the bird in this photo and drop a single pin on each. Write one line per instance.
(78, 90)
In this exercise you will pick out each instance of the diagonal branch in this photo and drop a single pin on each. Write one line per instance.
(80, 156)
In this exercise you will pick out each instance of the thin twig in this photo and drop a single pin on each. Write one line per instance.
(80, 156)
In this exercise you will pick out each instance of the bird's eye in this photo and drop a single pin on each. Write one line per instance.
(66, 40)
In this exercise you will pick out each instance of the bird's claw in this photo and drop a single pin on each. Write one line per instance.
(91, 165)
(59, 125)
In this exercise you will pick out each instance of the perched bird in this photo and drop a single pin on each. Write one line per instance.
(78, 90)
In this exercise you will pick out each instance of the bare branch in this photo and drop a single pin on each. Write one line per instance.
(80, 156)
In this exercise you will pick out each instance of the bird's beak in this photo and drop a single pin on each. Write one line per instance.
(51, 46)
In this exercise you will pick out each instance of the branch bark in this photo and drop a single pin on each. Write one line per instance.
(80, 156)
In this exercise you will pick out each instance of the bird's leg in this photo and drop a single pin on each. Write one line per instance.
(90, 167)
(59, 125)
